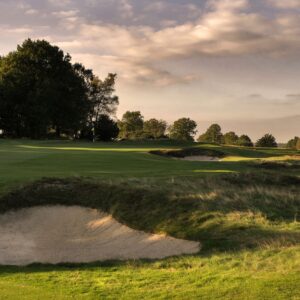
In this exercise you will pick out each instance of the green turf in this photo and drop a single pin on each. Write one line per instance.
(23, 160)
(245, 213)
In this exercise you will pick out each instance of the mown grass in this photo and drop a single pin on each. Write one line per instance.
(24, 161)
(247, 275)
(247, 221)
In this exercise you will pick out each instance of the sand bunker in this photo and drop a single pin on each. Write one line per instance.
(58, 234)
(200, 158)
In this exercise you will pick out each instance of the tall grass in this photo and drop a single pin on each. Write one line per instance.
(224, 213)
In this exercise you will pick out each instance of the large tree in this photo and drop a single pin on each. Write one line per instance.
(298, 145)
(131, 125)
(154, 128)
(268, 140)
(293, 142)
(212, 135)
(106, 129)
(230, 138)
(245, 141)
(100, 94)
(40, 90)
(183, 129)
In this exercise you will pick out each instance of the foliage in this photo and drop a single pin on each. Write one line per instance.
(131, 125)
(106, 129)
(183, 129)
(268, 140)
(212, 135)
(230, 138)
(100, 94)
(41, 91)
(154, 128)
(293, 143)
(244, 141)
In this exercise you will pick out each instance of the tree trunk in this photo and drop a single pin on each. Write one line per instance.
(57, 131)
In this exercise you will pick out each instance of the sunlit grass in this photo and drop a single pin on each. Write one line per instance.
(246, 275)
(271, 158)
(214, 171)
(142, 149)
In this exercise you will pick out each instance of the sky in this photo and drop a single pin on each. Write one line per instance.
(234, 62)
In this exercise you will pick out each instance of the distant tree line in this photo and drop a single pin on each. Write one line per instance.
(133, 127)
(43, 95)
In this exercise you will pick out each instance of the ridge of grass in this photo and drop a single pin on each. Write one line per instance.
(224, 213)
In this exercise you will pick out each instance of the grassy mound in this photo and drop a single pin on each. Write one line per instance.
(225, 213)
(185, 152)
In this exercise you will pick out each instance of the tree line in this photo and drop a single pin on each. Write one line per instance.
(132, 126)
(43, 95)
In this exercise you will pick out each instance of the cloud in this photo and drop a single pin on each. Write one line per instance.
(126, 8)
(65, 13)
(286, 4)
(5, 30)
(223, 31)
(59, 2)
(287, 100)
(227, 5)
(31, 11)
(133, 71)
(155, 6)
(293, 99)
(226, 29)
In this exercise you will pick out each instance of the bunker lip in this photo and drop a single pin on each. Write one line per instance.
(74, 234)
(191, 154)
(199, 158)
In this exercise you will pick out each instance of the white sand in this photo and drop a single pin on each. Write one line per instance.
(57, 234)
(200, 158)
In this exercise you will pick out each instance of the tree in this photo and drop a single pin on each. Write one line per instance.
(212, 135)
(154, 128)
(244, 141)
(268, 140)
(106, 128)
(40, 90)
(298, 145)
(183, 129)
(230, 138)
(100, 93)
(293, 142)
(131, 125)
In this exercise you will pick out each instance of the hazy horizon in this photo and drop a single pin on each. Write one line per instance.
(235, 62)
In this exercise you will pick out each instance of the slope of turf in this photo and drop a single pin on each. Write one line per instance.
(22, 160)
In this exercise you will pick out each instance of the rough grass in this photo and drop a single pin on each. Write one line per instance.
(225, 213)
(185, 152)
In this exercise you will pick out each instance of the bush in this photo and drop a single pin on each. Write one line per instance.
(268, 140)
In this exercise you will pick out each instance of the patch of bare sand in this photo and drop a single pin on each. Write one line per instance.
(200, 158)
(57, 234)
